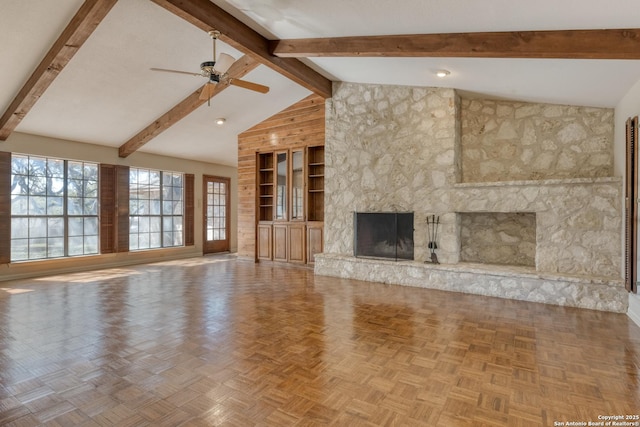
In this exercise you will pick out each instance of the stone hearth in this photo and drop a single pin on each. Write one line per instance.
(424, 150)
(512, 282)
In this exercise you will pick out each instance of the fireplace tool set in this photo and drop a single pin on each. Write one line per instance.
(432, 229)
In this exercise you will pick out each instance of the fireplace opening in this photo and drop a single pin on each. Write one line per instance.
(387, 235)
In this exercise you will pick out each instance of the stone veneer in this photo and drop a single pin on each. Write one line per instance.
(396, 148)
(498, 238)
(509, 141)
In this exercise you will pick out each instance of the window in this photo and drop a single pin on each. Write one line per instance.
(54, 208)
(155, 208)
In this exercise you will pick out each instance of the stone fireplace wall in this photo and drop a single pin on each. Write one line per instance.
(498, 238)
(390, 148)
(407, 149)
(511, 141)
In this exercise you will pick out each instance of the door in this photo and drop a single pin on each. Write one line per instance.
(216, 214)
(264, 241)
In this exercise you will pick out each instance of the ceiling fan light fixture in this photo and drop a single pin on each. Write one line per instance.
(220, 121)
(443, 73)
(223, 63)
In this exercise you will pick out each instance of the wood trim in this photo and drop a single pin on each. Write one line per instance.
(122, 206)
(631, 205)
(206, 15)
(189, 209)
(570, 44)
(239, 69)
(5, 207)
(81, 26)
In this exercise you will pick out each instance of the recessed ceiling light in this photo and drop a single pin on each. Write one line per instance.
(443, 73)
(220, 121)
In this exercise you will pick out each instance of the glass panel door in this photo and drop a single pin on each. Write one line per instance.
(216, 214)
(297, 185)
(281, 186)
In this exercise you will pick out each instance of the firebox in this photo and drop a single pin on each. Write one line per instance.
(387, 235)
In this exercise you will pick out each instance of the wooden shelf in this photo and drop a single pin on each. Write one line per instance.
(265, 185)
(315, 183)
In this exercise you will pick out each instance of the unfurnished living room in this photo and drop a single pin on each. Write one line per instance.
(301, 213)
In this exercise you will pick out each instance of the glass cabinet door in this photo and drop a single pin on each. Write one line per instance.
(281, 186)
(297, 185)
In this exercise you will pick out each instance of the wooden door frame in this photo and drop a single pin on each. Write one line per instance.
(227, 181)
(631, 205)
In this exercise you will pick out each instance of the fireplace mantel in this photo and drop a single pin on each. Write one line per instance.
(541, 182)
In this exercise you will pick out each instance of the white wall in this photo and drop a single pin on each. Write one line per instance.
(43, 146)
(629, 106)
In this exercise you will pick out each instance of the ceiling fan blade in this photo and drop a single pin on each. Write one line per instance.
(249, 85)
(207, 91)
(164, 70)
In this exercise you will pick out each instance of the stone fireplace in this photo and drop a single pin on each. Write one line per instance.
(502, 238)
(530, 181)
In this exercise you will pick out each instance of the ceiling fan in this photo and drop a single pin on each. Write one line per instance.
(217, 72)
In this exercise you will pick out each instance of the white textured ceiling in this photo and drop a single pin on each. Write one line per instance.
(107, 93)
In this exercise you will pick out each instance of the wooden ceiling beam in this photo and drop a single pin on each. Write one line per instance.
(206, 16)
(81, 26)
(238, 69)
(568, 44)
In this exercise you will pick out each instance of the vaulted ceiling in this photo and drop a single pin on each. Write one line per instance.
(96, 86)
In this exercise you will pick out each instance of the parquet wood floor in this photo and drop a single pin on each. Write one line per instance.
(215, 341)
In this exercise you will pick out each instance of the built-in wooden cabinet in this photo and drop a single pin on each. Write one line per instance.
(315, 183)
(290, 205)
(266, 186)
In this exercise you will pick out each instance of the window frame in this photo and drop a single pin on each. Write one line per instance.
(153, 215)
(55, 205)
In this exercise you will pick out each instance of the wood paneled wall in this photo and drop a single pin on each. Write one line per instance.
(300, 125)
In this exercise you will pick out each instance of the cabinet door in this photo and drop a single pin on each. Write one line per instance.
(282, 185)
(264, 241)
(297, 186)
(314, 241)
(279, 242)
(296, 243)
